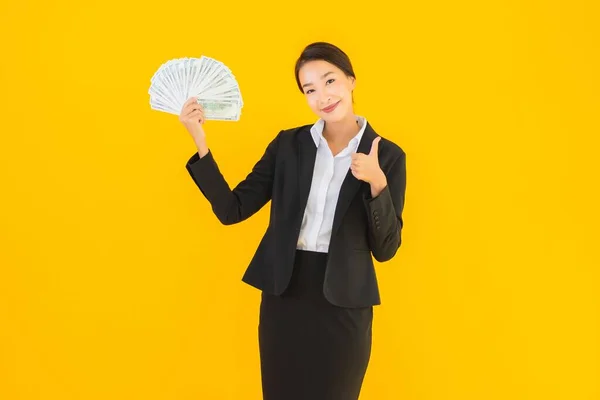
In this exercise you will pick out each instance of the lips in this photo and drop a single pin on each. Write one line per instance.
(331, 107)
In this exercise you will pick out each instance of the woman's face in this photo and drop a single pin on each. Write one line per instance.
(327, 89)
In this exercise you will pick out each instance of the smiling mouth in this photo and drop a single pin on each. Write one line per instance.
(331, 107)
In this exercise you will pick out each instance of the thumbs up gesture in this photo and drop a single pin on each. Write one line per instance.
(366, 168)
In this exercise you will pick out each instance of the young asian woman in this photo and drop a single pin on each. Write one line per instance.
(337, 192)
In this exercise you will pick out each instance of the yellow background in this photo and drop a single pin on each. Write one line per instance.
(118, 282)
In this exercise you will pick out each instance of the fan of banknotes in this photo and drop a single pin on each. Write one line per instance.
(205, 78)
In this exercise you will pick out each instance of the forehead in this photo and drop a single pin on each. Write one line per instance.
(313, 70)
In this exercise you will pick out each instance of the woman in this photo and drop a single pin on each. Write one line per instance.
(337, 193)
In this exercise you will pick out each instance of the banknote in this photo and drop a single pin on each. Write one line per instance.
(209, 80)
(222, 109)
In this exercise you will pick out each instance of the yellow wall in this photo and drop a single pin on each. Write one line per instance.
(117, 281)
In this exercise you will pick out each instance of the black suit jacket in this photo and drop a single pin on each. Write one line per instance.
(362, 226)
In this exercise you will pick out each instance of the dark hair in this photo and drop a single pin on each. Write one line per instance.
(326, 52)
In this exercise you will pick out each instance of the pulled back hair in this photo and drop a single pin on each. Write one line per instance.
(326, 52)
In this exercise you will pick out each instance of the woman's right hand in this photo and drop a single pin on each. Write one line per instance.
(192, 117)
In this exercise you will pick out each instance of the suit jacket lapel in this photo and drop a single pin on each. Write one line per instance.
(307, 152)
(351, 185)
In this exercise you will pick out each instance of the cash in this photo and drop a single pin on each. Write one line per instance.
(225, 110)
(209, 80)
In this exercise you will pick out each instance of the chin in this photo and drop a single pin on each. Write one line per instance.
(337, 115)
(331, 118)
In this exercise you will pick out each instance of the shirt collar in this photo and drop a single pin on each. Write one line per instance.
(316, 131)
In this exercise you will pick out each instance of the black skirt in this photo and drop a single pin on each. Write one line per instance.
(311, 349)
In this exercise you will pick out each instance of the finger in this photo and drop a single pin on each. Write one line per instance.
(191, 100)
(194, 115)
(186, 105)
(195, 109)
(375, 146)
(191, 107)
(358, 156)
(200, 116)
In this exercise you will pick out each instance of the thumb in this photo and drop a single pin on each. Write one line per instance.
(375, 146)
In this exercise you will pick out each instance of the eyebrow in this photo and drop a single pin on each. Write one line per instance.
(310, 84)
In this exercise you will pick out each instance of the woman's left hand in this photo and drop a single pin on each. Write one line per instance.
(366, 168)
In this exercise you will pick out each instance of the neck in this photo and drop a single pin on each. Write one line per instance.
(341, 131)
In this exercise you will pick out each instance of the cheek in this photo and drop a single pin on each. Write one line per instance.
(338, 90)
(312, 102)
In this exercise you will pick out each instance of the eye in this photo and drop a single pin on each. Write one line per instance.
(309, 90)
(331, 80)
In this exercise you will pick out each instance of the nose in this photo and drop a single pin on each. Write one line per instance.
(325, 100)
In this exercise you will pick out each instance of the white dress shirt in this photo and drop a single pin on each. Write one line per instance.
(328, 175)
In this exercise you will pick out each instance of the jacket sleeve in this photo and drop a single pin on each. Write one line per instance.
(249, 196)
(384, 213)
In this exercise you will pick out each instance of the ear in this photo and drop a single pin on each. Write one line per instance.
(353, 82)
